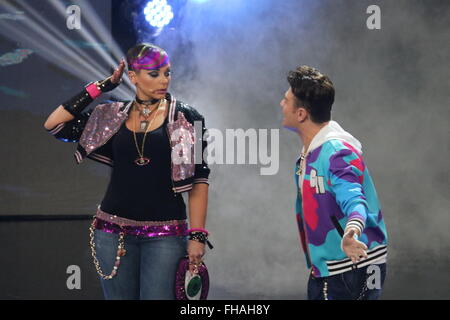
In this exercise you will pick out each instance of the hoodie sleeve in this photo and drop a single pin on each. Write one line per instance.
(346, 176)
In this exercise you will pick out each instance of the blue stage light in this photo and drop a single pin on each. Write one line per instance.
(158, 13)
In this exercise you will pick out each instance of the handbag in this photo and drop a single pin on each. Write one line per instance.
(191, 286)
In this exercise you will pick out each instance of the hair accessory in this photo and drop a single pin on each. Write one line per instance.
(150, 58)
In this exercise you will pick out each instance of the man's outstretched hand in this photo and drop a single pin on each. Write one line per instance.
(353, 248)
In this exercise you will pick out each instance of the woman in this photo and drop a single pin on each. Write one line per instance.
(138, 234)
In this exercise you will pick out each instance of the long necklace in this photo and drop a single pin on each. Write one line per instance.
(141, 160)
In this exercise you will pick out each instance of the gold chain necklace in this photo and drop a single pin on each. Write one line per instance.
(141, 160)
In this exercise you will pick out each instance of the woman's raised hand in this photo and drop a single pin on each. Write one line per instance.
(117, 74)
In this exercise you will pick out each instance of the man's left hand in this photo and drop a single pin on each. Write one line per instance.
(353, 248)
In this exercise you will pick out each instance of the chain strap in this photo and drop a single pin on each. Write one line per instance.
(325, 289)
(120, 253)
(363, 290)
(361, 294)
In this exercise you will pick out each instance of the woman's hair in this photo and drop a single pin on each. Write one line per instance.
(314, 91)
(146, 56)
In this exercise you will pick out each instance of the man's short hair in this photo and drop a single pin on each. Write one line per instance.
(314, 91)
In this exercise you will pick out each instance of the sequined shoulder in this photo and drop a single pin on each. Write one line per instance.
(189, 111)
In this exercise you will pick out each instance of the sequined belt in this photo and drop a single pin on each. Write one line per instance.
(114, 224)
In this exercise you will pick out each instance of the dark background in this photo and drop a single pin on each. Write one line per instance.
(230, 60)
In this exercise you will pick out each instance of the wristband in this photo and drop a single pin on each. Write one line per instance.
(199, 230)
(79, 102)
(93, 90)
(200, 236)
(107, 85)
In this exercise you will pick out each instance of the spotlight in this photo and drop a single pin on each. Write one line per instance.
(158, 13)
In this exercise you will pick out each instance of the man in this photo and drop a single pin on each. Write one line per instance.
(342, 230)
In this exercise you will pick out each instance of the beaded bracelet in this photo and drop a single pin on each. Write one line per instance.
(199, 230)
(201, 237)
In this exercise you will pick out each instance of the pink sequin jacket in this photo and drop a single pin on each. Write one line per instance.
(93, 130)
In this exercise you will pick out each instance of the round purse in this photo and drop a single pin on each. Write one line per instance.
(191, 286)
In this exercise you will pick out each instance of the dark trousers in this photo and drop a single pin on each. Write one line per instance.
(358, 284)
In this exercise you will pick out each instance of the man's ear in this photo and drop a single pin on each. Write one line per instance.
(302, 114)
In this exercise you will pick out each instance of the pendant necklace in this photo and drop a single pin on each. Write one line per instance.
(145, 111)
(141, 160)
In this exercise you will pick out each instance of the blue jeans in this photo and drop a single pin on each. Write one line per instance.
(350, 285)
(146, 272)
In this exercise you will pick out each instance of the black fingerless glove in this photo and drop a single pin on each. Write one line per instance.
(79, 102)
